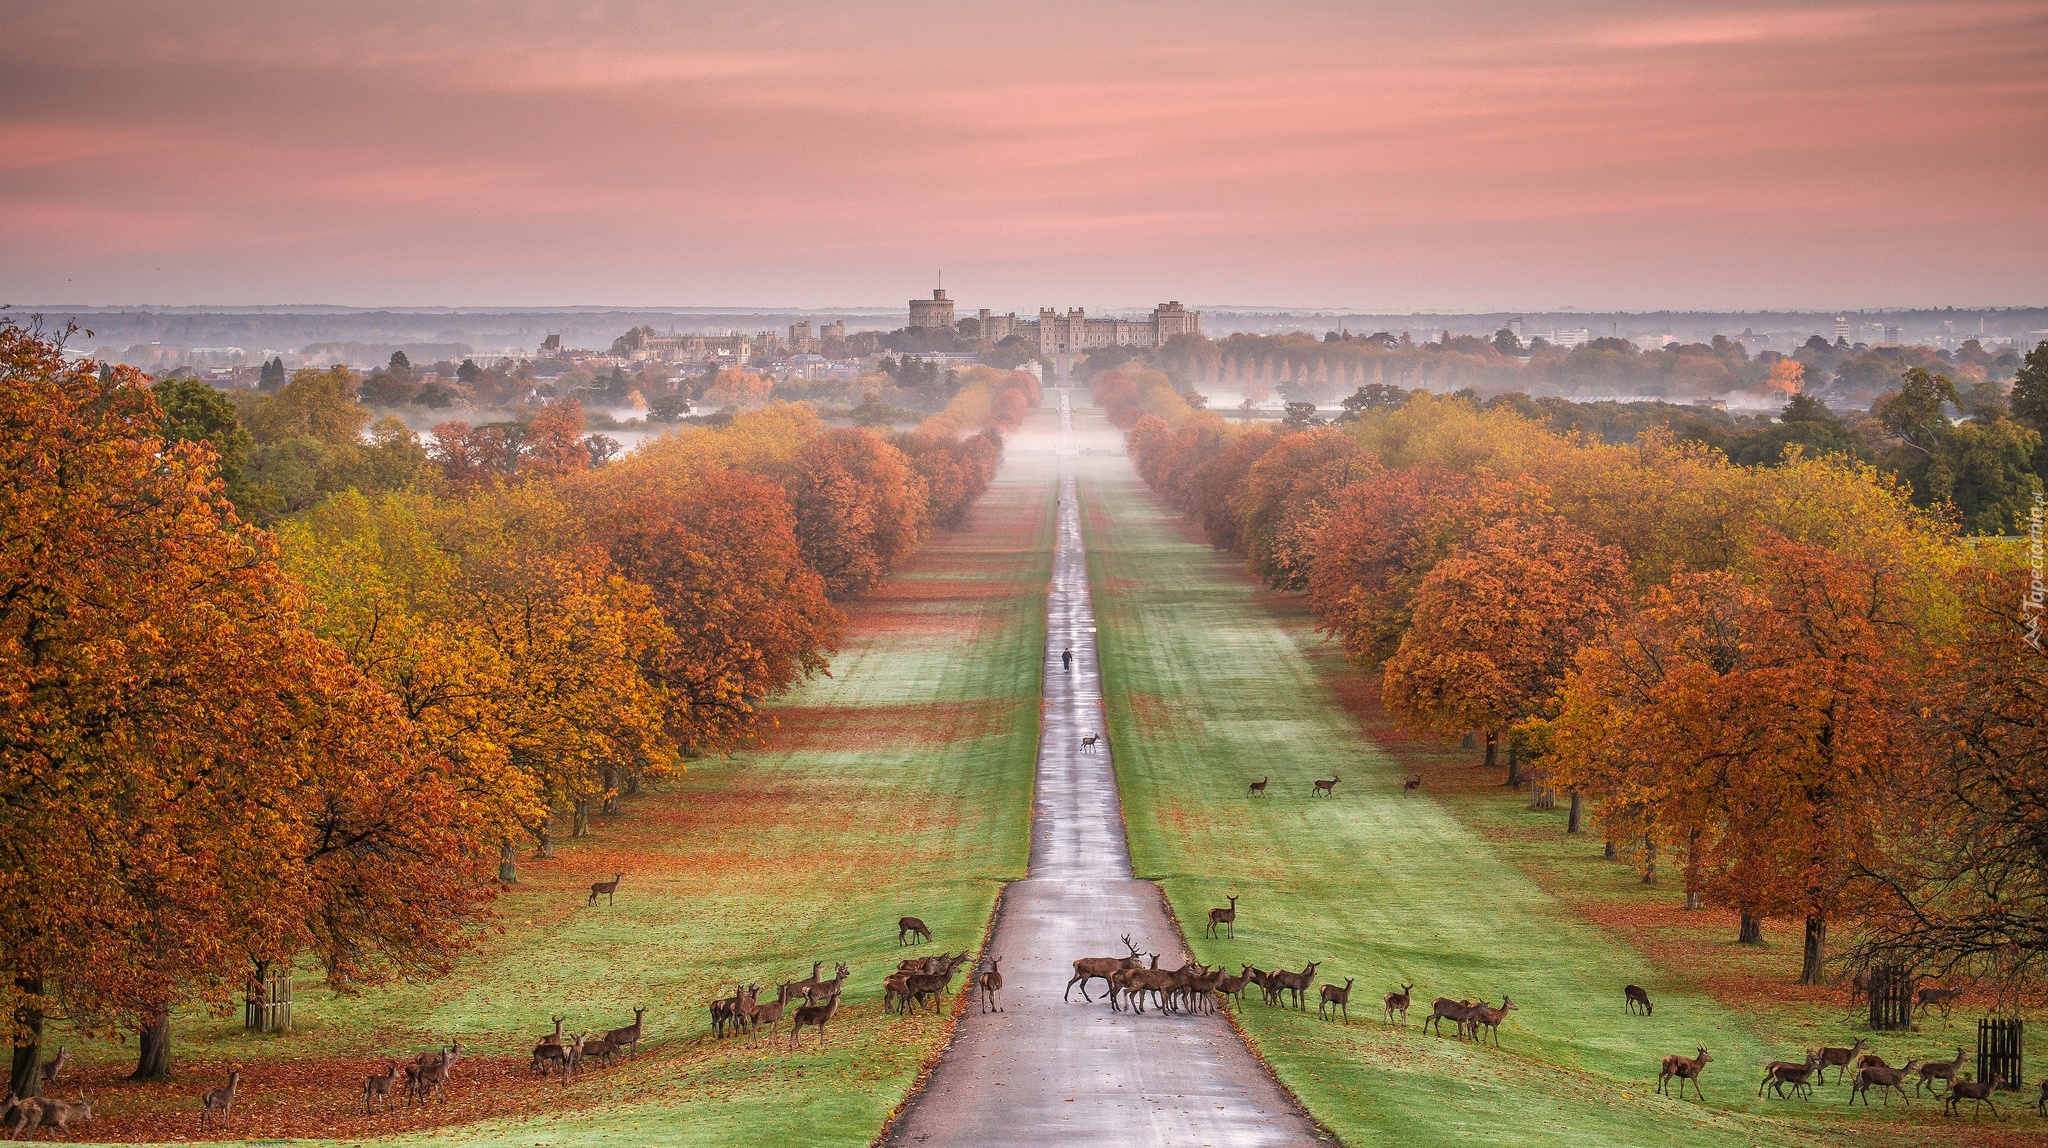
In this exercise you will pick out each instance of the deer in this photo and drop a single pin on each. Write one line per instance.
(607, 889)
(1977, 1090)
(1859, 987)
(1088, 743)
(1155, 980)
(725, 1012)
(381, 1085)
(221, 1100)
(1885, 1080)
(1324, 788)
(1942, 1070)
(991, 983)
(1635, 996)
(913, 928)
(1946, 998)
(630, 1035)
(1838, 1059)
(1485, 1014)
(10, 1107)
(1227, 918)
(1684, 1068)
(1412, 784)
(58, 1115)
(551, 1040)
(759, 1016)
(436, 1067)
(1282, 981)
(2041, 1105)
(1443, 1009)
(1335, 998)
(1090, 968)
(55, 1066)
(794, 989)
(1779, 1073)
(1203, 987)
(813, 1016)
(1258, 788)
(1398, 1003)
(1232, 984)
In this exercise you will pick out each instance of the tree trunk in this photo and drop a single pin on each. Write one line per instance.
(27, 1076)
(1571, 821)
(633, 784)
(508, 863)
(1492, 747)
(1468, 742)
(1811, 969)
(1693, 903)
(153, 1060)
(1514, 766)
(611, 790)
(1752, 931)
(580, 827)
(545, 840)
(1650, 869)
(1612, 853)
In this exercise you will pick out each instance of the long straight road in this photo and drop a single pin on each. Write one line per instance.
(1047, 1071)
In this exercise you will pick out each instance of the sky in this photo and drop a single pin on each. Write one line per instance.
(1439, 155)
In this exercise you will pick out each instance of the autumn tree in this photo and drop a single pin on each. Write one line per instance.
(1286, 499)
(860, 508)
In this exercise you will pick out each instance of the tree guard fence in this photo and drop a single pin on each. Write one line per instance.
(268, 1005)
(1891, 999)
(2001, 1041)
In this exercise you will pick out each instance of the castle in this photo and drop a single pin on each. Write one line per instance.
(1060, 334)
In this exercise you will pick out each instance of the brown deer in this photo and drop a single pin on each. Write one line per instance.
(1490, 1017)
(1412, 784)
(552, 1040)
(1398, 1003)
(992, 983)
(1091, 968)
(1258, 788)
(813, 1016)
(54, 1067)
(1232, 984)
(436, 1069)
(1154, 980)
(1325, 788)
(758, 1015)
(1684, 1068)
(607, 889)
(1335, 999)
(1945, 998)
(1443, 1009)
(1088, 744)
(1885, 1080)
(1839, 1058)
(221, 1100)
(381, 1085)
(1636, 997)
(1226, 918)
(912, 928)
(725, 1012)
(1859, 987)
(630, 1035)
(57, 1115)
(1942, 1070)
(1977, 1090)
(1779, 1073)
(1281, 981)
(794, 989)
(2041, 1105)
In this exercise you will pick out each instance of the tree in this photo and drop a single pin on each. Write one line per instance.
(195, 412)
(1286, 498)
(552, 444)
(2029, 400)
(1916, 413)
(1497, 623)
(272, 377)
(860, 508)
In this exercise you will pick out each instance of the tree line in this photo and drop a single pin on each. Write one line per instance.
(225, 747)
(1788, 687)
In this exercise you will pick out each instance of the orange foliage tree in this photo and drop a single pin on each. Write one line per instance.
(860, 508)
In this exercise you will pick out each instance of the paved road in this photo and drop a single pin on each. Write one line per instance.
(1048, 1072)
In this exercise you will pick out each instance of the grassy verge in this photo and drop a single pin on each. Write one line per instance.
(899, 786)
(1211, 684)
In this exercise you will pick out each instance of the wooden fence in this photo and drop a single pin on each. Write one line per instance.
(268, 1005)
(2001, 1043)
(1891, 999)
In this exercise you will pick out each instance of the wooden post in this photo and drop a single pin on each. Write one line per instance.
(1891, 999)
(2001, 1045)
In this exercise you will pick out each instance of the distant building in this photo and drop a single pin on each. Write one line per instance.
(1571, 338)
(697, 350)
(936, 311)
(1842, 328)
(552, 345)
(1056, 333)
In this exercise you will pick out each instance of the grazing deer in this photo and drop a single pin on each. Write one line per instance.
(1323, 788)
(1977, 1090)
(1281, 981)
(1490, 1017)
(1885, 1080)
(1635, 997)
(1839, 1058)
(1226, 918)
(54, 1067)
(381, 1085)
(813, 1016)
(1942, 1070)
(1779, 1073)
(912, 928)
(1398, 1003)
(1413, 783)
(630, 1035)
(1946, 998)
(1684, 1068)
(57, 1115)
(606, 889)
(1088, 743)
(1335, 998)
(1090, 968)
(1258, 788)
(991, 983)
(221, 1100)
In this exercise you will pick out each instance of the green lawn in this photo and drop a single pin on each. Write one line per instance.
(1211, 684)
(900, 785)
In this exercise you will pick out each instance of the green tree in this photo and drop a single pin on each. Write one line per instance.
(2029, 400)
(195, 412)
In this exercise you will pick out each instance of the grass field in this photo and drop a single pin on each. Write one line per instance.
(1211, 683)
(900, 785)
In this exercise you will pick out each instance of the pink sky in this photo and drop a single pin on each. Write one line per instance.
(1410, 156)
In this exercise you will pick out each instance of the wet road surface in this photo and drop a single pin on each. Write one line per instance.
(1046, 1071)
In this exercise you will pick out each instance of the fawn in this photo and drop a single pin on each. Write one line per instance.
(1324, 788)
(1258, 788)
(913, 929)
(1636, 996)
(1398, 1003)
(606, 889)
(221, 1100)
(1335, 998)
(1226, 918)
(1684, 1068)
(992, 983)
(381, 1084)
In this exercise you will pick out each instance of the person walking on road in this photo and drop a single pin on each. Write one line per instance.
(1068, 658)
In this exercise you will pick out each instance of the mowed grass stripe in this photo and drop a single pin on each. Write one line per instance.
(899, 785)
(1206, 691)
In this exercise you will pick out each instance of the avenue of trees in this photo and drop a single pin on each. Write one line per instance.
(1794, 689)
(225, 746)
